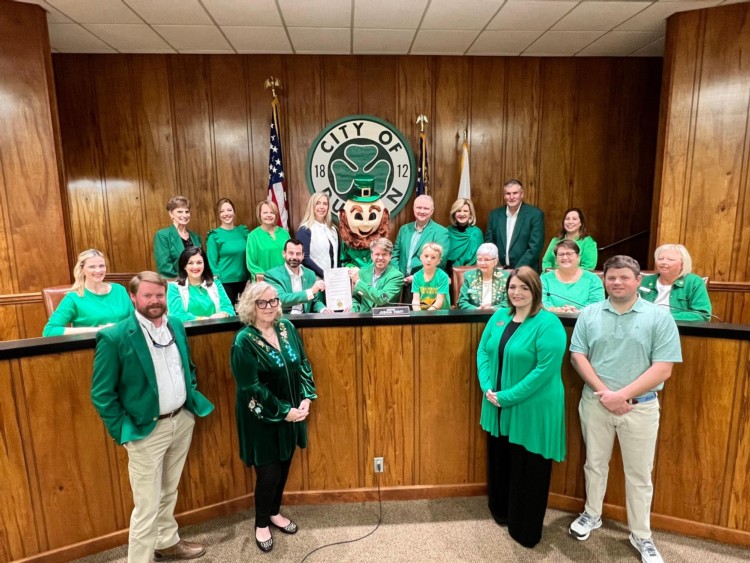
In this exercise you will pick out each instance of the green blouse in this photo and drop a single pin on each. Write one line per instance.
(269, 383)
(589, 254)
(463, 245)
(226, 253)
(587, 290)
(89, 310)
(264, 251)
(202, 301)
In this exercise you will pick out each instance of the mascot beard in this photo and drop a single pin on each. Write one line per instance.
(359, 233)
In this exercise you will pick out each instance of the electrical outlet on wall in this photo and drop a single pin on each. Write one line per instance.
(379, 465)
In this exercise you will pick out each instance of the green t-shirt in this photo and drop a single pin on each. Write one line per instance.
(264, 251)
(226, 253)
(89, 310)
(587, 290)
(429, 290)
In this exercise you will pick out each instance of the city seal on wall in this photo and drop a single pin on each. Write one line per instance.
(361, 145)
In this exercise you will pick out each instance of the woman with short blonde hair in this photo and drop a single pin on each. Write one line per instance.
(465, 236)
(265, 243)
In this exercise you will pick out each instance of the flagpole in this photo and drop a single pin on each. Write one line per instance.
(277, 190)
(423, 171)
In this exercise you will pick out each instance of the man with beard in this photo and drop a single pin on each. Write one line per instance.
(298, 288)
(145, 391)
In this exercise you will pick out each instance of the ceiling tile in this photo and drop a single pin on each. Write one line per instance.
(171, 12)
(442, 42)
(247, 39)
(316, 13)
(96, 11)
(530, 15)
(599, 16)
(130, 37)
(320, 40)
(194, 37)
(72, 38)
(620, 43)
(503, 42)
(655, 17)
(562, 43)
(258, 13)
(382, 41)
(53, 16)
(466, 14)
(388, 14)
(655, 49)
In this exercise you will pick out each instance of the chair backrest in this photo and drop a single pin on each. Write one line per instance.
(259, 277)
(457, 280)
(52, 297)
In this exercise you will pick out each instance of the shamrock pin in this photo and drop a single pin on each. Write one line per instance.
(358, 159)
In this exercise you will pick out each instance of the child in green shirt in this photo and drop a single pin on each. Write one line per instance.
(430, 285)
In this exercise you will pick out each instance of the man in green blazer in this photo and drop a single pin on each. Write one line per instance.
(145, 391)
(298, 288)
(517, 229)
(377, 283)
(413, 236)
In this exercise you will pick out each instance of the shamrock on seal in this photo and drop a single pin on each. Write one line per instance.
(360, 159)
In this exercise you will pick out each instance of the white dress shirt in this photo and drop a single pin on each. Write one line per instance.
(297, 286)
(510, 224)
(170, 374)
(323, 240)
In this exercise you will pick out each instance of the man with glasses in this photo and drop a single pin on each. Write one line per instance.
(145, 391)
(298, 288)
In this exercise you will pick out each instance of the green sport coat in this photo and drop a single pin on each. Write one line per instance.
(432, 232)
(123, 387)
(528, 235)
(279, 278)
(167, 249)
(387, 290)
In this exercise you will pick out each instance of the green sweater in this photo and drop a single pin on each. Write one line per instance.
(89, 310)
(202, 301)
(531, 393)
(688, 292)
(589, 254)
(463, 245)
(226, 253)
(587, 290)
(167, 249)
(264, 251)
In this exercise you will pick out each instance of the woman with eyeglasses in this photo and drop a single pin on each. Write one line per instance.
(569, 288)
(484, 288)
(573, 228)
(195, 294)
(274, 389)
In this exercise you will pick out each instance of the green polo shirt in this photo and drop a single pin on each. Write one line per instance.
(621, 347)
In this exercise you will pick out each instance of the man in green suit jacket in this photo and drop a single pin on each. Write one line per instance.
(413, 236)
(298, 288)
(517, 229)
(145, 391)
(377, 283)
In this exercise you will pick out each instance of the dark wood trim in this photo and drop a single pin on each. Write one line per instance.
(21, 299)
(733, 287)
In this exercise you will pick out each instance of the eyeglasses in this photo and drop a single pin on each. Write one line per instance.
(159, 345)
(565, 254)
(265, 303)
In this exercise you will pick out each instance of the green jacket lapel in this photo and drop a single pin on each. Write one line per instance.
(141, 350)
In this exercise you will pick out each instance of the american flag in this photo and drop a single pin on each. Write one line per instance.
(423, 167)
(276, 179)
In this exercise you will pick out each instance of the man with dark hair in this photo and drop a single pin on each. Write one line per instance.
(298, 288)
(145, 391)
(623, 348)
(517, 229)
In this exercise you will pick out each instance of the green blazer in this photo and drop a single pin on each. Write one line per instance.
(432, 232)
(528, 235)
(471, 290)
(123, 388)
(279, 278)
(167, 249)
(365, 296)
(689, 297)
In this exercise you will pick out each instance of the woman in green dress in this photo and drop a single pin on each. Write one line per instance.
(92, 303)
(573, 228)
(484, 288)
(171, 241)
(226, 246)
(465, 236)
(266, 242)
(195, 294)
(274, 390)
(569, 288)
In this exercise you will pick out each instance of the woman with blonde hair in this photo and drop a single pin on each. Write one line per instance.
(171, 241)
(225, 247)
(266, 241)
(318, 235)
(92, 303)
(465, 236)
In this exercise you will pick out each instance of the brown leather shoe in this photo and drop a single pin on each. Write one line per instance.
(181, 550)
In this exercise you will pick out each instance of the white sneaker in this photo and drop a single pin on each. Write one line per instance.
(649, 553)
(581, 528)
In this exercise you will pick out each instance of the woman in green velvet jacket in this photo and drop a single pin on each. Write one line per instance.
(171, 241)
(484, 288)
(519, 362)
(274, 390)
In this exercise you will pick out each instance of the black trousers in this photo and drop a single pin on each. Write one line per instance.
(234, 289)
(270, 481)
(517, 489)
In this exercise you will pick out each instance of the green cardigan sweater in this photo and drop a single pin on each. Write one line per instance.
(531, 396)
(167, 249)
(688, 292)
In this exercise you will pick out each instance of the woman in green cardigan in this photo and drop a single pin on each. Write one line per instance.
(465, 237)
(225, 247)
(274, 390)
(265, 243)
(519, 363)
(195, 294)
(573, 228)
(171, 241)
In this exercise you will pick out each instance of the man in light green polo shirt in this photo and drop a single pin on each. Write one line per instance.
(624, 349)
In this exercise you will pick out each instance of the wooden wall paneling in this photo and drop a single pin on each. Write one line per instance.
(700, 459)
(341, 87)
(76, 100)
(124, 218)
(738, 512)
(452, 111)
(72, 458)
(333, 445)
(446, 367)
(388, 403)
(231, 126)
(31, 320)
(152, 115)
(191, 99)
(487, 147)
(20, 534)
(478, 455)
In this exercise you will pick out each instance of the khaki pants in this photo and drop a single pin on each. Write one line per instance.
(155, 465)
(637, 432)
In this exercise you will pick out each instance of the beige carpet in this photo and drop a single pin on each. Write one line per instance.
(447, 530)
